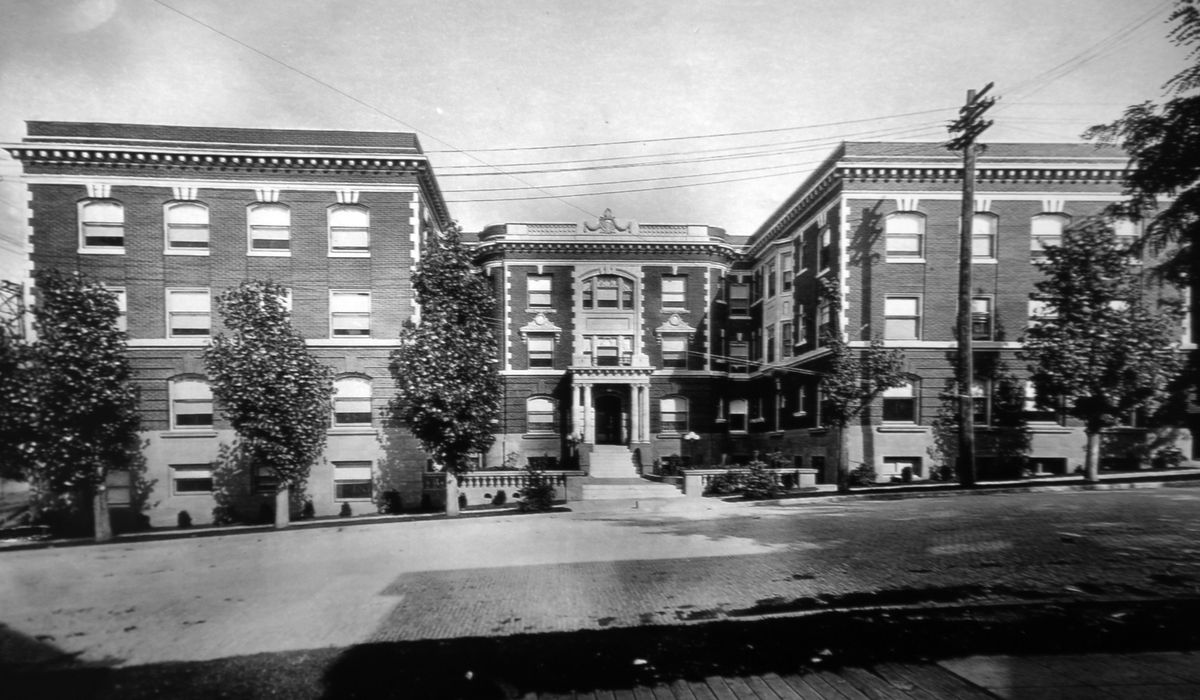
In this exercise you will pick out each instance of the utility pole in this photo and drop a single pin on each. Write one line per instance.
(964, 131)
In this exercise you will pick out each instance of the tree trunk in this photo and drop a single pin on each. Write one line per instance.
(283, 506)
(1091, 462)
(839, 458)
(102, 523)
(451, 494)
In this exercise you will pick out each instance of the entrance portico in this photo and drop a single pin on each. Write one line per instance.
(611, 405)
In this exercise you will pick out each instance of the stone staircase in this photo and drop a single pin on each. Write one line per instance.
(612, 475)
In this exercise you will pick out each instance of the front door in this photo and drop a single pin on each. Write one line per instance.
(608, 420)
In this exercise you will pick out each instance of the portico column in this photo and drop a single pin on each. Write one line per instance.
(577, 408)
(646, 413)
(589, 422)
(635, 418)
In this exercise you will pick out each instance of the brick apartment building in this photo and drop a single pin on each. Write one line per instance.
(621, 343)
(168, 217)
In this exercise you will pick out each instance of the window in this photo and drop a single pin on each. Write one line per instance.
(902, 318)
(270, 229)
(737, 415)
(983, 236)
(613, 351)
(801, 400)
(903, 233)
(981, 318)
(540, 415)
(352, 481)
(1046, 230)
(900, 404)
(265, 480)
(787, 271)
(1127, 232)
(187, 227)
(895, 466)
(350, 314)
(541, 349)
(607, 292)
(674, 350)
(1040, 311)
(770, 343)
(826, 254)
(826, 328)
(539, 291)
(122, 307)
(674, 412)
(772, 278)
(787, 337)
(739, 299)
(1034, 413)
(351, 401)
(802, 326)
(191, 404)
(674, 291)
(739, 355)
(349, 230)
(981, 401)
(101, 226)
(191, 479)
(189, 313)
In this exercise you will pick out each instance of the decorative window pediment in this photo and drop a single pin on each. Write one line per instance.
(540, 324)
(673, 325)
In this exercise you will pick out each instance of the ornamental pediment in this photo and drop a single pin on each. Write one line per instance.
(541, 324)
(674, 324)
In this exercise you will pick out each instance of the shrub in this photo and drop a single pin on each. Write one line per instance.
(500, 499)
(760, 483)
(462, 501)
(538, 494)
(308, 511)
(1168, 458)
(906, 475)
(725, 484)
(184, 519)
(392, 502)
(345, 512)
(864, 475)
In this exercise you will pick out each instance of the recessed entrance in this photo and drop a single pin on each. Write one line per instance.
(609, 420)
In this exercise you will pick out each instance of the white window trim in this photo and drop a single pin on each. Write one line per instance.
(172, 425)
(334, 424)
(329, 232)
(176, 469)
(920, 330)
(369, 479)
(167, 309)
(250, 251)
(370, 313)
(83, 248)
(921, 242)
(167, 249)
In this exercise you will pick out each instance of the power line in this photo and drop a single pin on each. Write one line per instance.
(700, 136)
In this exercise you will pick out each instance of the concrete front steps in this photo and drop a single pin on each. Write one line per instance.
(611, 462)
(594, 489)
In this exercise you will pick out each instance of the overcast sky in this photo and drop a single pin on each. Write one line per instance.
(473, 75)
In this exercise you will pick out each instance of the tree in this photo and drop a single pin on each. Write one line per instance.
(1163, 141)
(84, 422)
(853, 380)
(272, 390)
(447, 385)
(17, 401)
(1102, 352)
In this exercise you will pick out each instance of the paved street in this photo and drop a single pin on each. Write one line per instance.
(205, 598)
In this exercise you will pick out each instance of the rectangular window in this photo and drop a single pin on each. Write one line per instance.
(772, 277)
(265, 480)
(826, 254)
(270, 228)
(613, 351)
(771, 343)
(674, 291)
(737, 416)
(349, 230)
(674, 413)
(802, 326)
(902, 318)
(122, 307)
(983, 237)
(191, 479)
(352, 481)
(787, 337)
(1046, 231)
(189, 313)
(895, 466)
(674, 351)
(739, 299)
(981, 318)
(539, 291)
(903, 233)
(187, 227)
(981, 402)
(826, 328)
(786, 271)
(350, 314)
(539, 415)
(541, 350)
(739, 355)
(1040, 311)
(102, 226)
(1034, 413)
(900, 404)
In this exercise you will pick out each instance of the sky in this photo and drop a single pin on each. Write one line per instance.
(699, 111)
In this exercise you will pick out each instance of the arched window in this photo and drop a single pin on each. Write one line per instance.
(187, 227)
(674, 413)
(191, 403)
(1046, 230)
(349, 230)
(352, 401)
(540, 415)
(102, 225)
(904, 234)
(983, 236)
(270, 229)
(607, 292)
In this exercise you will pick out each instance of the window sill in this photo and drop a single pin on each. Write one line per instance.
(269, 253)
(1049, 428)
(355, 430)
(350, 254)
(900, 428)
(675, 310)
(181, 251)
(540, 310)
(984, 261)
(354, 500)
(174, 434)
(905, 260)
(102, 251)
(823, 272)
(800, 414)
(675, 436)
(192, 494)
(541, 436)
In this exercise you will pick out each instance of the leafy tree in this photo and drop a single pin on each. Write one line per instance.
(447, 385)
(272, 390)
(853, 380)
(1008, 437)
(1163, 140)
(84, 422)
(17, 400)
(1104, 352)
